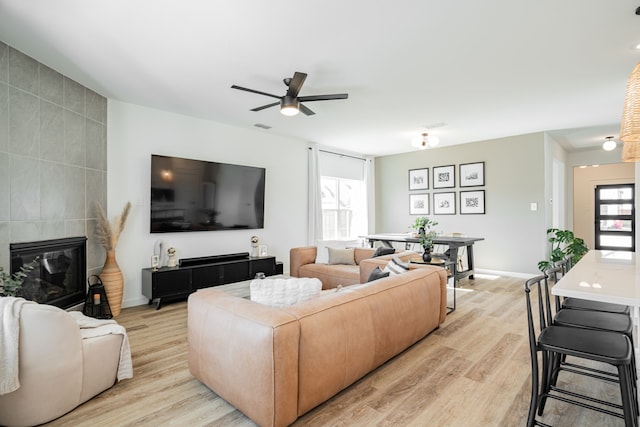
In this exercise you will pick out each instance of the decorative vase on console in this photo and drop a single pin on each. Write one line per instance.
(425, 235)
(426, 255)
(111, 276)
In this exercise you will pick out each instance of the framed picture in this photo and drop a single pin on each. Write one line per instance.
(444, 176)
(419, 204)
(419, 179)
(472, 174)
(472, 202)
(444, 203)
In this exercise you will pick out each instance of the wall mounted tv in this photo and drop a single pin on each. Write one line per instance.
(196, 195)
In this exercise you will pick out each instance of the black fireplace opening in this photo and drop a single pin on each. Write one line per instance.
(60, 273)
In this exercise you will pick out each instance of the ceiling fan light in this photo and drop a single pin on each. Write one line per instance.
(609, 144)
(433, 140)
(289, 106)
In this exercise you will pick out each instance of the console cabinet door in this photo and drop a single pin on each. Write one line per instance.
(263, 265)
(160, 284)
(205, 276)
(235, 271)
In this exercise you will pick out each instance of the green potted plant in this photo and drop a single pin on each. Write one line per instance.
(426, 234)
(564, 244)
(10, 284)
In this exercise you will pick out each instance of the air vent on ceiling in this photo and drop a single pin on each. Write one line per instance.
(262, 126)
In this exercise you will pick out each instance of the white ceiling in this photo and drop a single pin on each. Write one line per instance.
(487, 69)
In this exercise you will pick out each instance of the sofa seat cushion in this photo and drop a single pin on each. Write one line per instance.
(332, 275)
(283, 292)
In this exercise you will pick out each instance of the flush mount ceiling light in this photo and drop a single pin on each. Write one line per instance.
(425, 141)
(609, 144)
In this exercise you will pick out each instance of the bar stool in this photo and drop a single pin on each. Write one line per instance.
(588, 319)
(554, 342)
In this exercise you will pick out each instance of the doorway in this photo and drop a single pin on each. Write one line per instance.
(615, 217)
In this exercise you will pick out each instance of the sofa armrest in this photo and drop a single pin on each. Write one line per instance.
(247, 353)
(301, 256)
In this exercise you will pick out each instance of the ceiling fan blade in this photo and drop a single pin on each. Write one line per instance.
(254, 91)
(296, 84)
(265, 106)
(323, 97)
(305, 110)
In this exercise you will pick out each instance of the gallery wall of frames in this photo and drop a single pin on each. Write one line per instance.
(443, 198)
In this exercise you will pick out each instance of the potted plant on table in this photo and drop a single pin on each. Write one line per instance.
(564, 244)
(426, 234)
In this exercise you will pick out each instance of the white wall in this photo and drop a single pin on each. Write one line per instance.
(514, 235)
(135, 132)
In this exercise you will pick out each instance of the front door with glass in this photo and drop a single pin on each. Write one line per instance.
(614, 217)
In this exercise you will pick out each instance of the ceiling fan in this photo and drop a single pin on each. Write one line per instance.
(290, 103)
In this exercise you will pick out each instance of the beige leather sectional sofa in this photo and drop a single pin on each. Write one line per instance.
(275, 364)
(302, 263)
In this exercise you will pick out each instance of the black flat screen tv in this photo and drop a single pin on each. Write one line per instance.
(197, 195)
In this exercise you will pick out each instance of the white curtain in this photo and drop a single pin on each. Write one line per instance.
(370, 183)
(314, 232)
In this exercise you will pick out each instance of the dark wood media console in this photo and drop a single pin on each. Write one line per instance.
(168, 283)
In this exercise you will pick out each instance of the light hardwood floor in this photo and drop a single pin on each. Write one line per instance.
(472, 371)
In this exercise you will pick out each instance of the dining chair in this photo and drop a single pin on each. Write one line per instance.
(554, 341)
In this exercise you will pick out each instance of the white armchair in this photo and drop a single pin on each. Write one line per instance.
(58, 370)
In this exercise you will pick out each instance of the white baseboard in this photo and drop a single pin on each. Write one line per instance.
(141, 300)
(505, 273)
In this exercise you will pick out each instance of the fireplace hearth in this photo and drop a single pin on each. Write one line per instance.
(60, 273)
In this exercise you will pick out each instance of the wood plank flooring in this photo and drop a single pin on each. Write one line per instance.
(472, 371)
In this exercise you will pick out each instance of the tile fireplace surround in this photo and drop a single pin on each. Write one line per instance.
(53, 156)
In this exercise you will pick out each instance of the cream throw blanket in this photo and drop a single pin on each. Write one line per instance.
(90, 328)
(10, 308)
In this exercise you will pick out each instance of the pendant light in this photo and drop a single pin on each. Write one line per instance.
(630, 125)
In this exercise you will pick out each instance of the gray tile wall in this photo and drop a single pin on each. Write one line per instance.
(53, 156)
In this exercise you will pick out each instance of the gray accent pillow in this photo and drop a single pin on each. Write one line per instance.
(383, 250)
(341, 256)
(377, 274)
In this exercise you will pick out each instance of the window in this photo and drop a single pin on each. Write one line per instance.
(343, 208)
(343, 196)
(615, 227)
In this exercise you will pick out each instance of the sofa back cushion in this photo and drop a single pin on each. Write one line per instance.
(322, 254)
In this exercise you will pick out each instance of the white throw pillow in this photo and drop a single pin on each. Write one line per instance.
(284, 292)
(322, 255)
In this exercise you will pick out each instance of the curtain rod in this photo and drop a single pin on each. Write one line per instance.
(340, 154)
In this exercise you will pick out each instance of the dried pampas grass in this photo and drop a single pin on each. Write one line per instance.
(108, 233)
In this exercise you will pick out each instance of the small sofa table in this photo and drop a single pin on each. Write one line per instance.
(453, 242)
